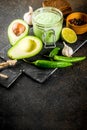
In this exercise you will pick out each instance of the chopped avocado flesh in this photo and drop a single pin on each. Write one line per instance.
(17, 30)
(27, 47)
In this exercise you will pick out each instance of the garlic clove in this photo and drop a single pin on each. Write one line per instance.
(67, 51)
(28, 19)
(28, 16)
(30, 10)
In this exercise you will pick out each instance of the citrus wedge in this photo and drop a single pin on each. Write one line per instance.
(68, 35)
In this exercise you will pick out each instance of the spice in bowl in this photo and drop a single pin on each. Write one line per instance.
(78, 22)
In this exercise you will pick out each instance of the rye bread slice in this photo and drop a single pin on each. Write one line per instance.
(62, 5)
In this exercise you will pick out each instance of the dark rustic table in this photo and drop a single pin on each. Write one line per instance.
(60, 103)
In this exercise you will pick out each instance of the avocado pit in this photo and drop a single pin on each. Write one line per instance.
(18, 28)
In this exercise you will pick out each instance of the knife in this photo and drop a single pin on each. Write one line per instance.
(80, 46)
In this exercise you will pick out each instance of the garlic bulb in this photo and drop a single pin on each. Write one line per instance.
(28, 16)
(67, 51)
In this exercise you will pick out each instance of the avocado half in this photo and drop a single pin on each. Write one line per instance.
(27, 47)
(13, 38)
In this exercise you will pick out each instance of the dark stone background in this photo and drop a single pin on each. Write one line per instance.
(60, 103)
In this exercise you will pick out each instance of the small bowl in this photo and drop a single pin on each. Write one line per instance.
(81, 18)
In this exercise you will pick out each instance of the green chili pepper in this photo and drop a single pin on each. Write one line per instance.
(69, 59)
(54, 52)
(51, 64)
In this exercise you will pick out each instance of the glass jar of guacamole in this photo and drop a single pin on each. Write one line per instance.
(47, 25)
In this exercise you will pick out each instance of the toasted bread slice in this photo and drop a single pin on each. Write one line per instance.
(62, 5)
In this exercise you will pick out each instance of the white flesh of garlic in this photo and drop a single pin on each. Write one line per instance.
(67, 51)
(28, 16)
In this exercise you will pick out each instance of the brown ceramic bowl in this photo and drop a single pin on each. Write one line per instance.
(78, 22)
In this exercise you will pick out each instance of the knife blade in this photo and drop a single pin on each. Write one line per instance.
(79, 46)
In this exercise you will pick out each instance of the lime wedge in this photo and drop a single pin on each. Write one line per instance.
(69, 35)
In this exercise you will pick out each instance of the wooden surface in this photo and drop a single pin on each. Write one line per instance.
(60, 103)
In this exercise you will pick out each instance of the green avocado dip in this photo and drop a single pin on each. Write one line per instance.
(47, 24)
(47, 18)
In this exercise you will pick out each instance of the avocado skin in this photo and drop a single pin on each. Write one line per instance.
(17, 52)
(12, 37)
